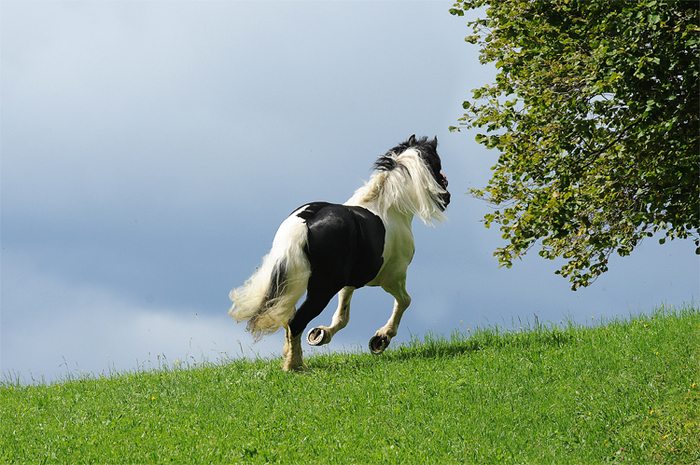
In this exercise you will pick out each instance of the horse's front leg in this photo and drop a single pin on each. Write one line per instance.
(323, 334)
(383, 336)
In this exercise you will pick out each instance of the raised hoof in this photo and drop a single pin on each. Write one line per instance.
(378, 343)
(317, 337)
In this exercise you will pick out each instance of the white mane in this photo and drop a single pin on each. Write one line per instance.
(409, 188)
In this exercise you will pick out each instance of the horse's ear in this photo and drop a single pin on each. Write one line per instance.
(412, 140)
(434, 143)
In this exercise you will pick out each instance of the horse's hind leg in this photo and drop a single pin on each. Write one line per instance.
(313, 305)
(383, 336)
(293, 358)
(323, 334)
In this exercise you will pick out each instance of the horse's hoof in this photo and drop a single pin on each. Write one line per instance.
(316, 337)
(378, 343)
(295, 368)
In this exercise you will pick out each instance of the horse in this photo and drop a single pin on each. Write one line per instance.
(323, 249)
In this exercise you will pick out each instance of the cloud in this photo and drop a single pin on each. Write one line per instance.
(52, 327)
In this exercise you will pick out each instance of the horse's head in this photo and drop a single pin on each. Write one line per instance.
(428, 153)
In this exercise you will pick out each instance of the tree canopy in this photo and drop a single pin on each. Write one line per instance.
(595, 114)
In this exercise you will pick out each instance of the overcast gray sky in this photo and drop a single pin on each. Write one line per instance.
(151, 149)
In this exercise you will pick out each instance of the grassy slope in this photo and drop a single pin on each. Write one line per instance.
(623, 391)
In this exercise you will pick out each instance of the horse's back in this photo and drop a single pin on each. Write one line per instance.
(344, 246)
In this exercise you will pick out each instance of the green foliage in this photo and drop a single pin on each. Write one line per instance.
(595, 114)
(624, 390)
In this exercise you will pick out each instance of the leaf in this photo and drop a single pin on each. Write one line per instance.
(595, 114)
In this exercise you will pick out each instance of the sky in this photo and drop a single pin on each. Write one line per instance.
(150, 150)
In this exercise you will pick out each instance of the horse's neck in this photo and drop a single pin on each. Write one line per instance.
(388, 215)
(372, 197)
(396, 216)
(368, 194)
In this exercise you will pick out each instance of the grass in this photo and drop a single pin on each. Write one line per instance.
(622, 391)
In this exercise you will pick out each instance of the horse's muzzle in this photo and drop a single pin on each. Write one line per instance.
(445, 198)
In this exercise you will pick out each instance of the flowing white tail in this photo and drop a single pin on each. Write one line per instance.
(268, 298)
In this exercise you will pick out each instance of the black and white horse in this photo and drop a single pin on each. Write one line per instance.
(324, 249)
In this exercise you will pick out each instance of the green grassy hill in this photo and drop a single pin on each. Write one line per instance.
(622, 391)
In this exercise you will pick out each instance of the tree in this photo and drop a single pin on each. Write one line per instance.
(595, 114)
